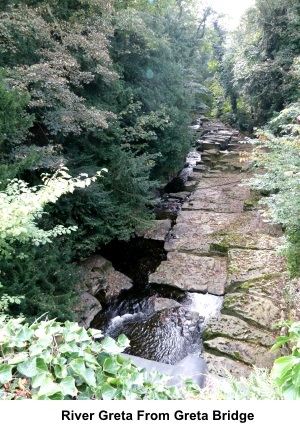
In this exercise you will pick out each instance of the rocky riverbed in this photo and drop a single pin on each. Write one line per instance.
(217, 248)
(221, 244)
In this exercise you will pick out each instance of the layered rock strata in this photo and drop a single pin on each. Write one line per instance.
(222, 245)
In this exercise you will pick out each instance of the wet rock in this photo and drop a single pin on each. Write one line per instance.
(192, 273)
(164, 336)
(161, 303)
(89, 307)
(158, 232)
(98, 275)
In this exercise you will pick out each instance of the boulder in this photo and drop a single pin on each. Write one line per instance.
(89, 307)
(158, 232)
(94, 273)
(117, 282)
(98, 275)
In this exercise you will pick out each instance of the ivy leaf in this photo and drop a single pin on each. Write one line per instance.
(41, 365)
(5, 373)
(35, 349)
(89, 358)
(68, 387)
(123, 341)
(111, 366)
(60, 371)
(85, 373)
(24, 334)
(65, 347)
(39, 379)
(108, 392)
(82, 335)
(18, 358)
(28, 367)
(109, 345)
(49, 387)
(86, 394)
(57, 396)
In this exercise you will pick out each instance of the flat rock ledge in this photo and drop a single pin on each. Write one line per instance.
(221, 245)
(191, 273)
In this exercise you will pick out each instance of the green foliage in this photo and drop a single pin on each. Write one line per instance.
(258, 66)
(21, 207)
(6, 300)
(45, 278)
(99, 84)
(259, 385)
(42, 283)
(278, 154)
(286, 370)
(51, 361)
(14, 121)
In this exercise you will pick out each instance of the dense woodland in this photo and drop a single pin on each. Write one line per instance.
(114, 85)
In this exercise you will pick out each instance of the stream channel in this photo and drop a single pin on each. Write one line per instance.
(163, 324)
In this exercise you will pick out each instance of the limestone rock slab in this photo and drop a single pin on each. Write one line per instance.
(247, 264)
(218, 199)
(260, 302)
(192, 273)
(250, 354)
(221, 366)
(234, 328)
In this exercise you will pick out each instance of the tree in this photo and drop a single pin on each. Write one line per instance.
(21, 207)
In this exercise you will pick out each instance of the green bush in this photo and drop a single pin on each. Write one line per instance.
(51, 361)
(286, 370)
